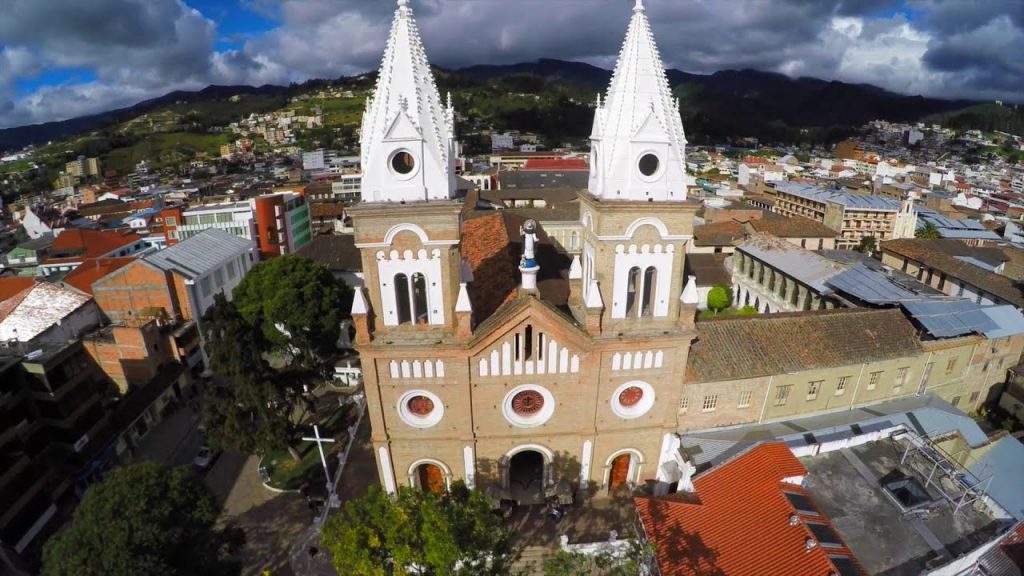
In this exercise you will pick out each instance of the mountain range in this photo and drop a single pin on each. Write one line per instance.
(716, 107)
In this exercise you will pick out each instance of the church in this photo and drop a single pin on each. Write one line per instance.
(492, 358)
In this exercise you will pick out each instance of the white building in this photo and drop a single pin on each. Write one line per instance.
(504, 141)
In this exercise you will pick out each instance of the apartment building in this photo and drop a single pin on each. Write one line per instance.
(278, 223)
(854, 216)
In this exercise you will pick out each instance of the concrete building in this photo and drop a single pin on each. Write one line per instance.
(313, 160)
(854, 216)
(278, 223)
(721, 237)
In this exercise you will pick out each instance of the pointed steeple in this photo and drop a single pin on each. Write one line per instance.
(408, 136)
(639, 147)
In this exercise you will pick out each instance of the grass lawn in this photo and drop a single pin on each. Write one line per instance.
(165, 149)
(288, 474)
(728, 313)
(16, 166)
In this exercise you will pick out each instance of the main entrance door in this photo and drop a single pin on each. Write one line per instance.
(618, 478)
(431, 478)
(526, 477)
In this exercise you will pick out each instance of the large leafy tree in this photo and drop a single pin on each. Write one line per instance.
(145, 520)
(297, 304)
(243, 409)
(452, 534)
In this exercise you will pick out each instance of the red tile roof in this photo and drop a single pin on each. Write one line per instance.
(78, 244)
(93, 269)
(738, 522)
(486, 244)
(567, 164)
(10, 287)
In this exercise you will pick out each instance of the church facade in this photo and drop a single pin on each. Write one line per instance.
(493, 359)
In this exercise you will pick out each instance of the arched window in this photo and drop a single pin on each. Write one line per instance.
(574, 241)
(632, 290)
(402, 301)
(650, 285)
(419, 299)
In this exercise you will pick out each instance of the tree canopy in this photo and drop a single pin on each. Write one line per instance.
(243, 408)
(928, 232)
(719, 298)
(454, 533)
(144, 520)
(867, 245)
(297, 304)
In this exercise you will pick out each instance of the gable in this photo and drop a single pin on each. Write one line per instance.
(529, 338)
(402, 129)
(651, 130)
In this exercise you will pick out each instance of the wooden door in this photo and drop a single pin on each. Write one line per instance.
(431, 478)
(620, 472)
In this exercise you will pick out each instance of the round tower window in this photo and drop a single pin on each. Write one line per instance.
(528, 406)
(420, 405)
(631, 396)
(649, 164)
(403, 163)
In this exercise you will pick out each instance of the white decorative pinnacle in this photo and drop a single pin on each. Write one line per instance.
(576, 269)
(359, 302)
(639, 6)
(690, 294)
(594, 296)
(462, 304)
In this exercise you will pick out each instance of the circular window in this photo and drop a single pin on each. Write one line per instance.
(527, 403)
(420, 405)
(631, 396)
(420, 409)
(528, 406)
(632, 399)
(403, 163)
(649, 165)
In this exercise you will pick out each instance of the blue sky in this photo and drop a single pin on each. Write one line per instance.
(103, 54)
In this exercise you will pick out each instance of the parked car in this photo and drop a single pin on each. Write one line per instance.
(204, 459)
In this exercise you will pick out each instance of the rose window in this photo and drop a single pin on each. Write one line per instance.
(420, 405)
(631, 396)
(527, 403)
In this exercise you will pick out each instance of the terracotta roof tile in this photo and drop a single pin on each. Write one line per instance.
(487, 245)
(941, 255)
(718, 233)
(10, 287)
(792, 227)
(79, 244)
(738, 522)
(93, 269)
(749, 347)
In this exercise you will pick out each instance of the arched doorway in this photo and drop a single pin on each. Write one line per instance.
(526, 477)
(429, 477)
(618, 475)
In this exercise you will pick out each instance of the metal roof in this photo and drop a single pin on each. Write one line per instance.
(976, 262)
(804, 265)
(200, 254)
(1008, 318)
(1003, 461)
(855, 201)
(871, 286)
(949, 318)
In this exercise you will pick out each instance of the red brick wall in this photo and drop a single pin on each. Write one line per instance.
(127, 292)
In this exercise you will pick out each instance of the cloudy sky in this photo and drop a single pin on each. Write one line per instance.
(65, 58)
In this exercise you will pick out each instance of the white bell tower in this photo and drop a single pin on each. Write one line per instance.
(638, 148)
(408, 134)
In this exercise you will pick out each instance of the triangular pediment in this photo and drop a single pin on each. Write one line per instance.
(402, 129)
(651, 130)
(532, 338)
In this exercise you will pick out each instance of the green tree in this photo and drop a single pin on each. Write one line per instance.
(719, 298)
(747, 311)
(603, 564)
(243, 409)
(145, 520)
(297, 304)
(867, 245)
(451, 534)
(928, 232)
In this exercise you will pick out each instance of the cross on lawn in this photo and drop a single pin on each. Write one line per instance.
(323, 458)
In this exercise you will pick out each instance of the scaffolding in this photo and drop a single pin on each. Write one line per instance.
(942, 471)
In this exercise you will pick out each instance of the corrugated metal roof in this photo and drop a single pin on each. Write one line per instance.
(1004, 463)
(1009, 320)
(856, 201)
(201, 253)
(949, 318)
(871, 286)
(803, 265)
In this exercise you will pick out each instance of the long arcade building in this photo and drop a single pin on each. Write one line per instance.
(490, 357)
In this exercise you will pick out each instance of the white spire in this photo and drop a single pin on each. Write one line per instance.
(406, 115)
(575, 269)
(594, 296)
(639, 118)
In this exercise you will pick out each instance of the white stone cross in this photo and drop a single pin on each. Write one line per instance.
(323, 458)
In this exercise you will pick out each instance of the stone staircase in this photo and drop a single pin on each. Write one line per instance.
(531, 561)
